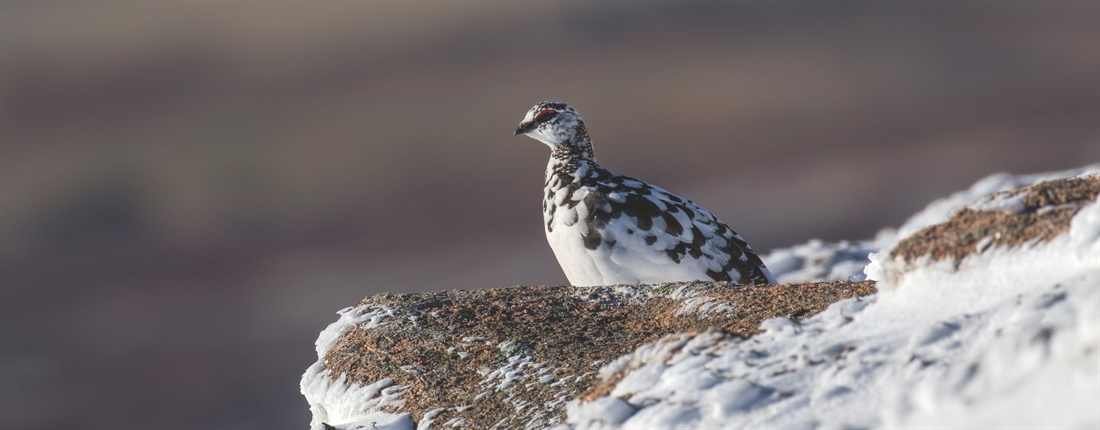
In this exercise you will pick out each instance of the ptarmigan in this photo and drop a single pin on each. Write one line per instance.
(607, 229)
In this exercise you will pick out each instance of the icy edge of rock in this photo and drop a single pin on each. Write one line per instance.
(335, 403)
(941, 209)
(1020, 218)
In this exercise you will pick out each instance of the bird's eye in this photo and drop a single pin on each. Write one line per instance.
(545, 114)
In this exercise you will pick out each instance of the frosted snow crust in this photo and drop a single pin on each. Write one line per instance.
(351, 406)
(817, 261)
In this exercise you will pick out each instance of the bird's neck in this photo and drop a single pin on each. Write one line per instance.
(573, 154)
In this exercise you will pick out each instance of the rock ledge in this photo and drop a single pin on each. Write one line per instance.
(514, 357)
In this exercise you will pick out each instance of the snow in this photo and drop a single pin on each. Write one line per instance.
(693, 303)
(1009, 338)
(1001, 203)
(819, 261)
(351, 406)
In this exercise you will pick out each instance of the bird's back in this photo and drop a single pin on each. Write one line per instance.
(606, 229)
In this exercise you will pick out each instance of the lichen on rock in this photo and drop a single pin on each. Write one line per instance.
(1037, 212)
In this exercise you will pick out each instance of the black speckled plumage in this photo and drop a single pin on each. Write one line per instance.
(606, 228)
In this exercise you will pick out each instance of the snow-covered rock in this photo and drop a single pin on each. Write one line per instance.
(990, 318)
(515, 357)
(987, 315)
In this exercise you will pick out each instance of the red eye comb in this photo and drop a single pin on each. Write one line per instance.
(545, 112)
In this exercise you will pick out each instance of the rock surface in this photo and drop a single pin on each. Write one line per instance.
(514, 357)
(1036, 212)
(1022, 217)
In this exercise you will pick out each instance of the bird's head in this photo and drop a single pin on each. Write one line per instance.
(554, 123)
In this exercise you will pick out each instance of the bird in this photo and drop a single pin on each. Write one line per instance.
(606, 228)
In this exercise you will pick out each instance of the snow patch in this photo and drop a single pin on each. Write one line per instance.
(351, 406)
(704, 306)
(1001, 203)
(817, 261)
(350, 317)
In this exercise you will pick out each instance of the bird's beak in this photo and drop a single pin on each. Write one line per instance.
(524, 128)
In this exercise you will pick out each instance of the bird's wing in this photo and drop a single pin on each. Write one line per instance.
(674, 236)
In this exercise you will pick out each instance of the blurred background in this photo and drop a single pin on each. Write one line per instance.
(189, 191)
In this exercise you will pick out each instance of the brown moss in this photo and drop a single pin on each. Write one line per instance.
(1048, 208)
(568, 329)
